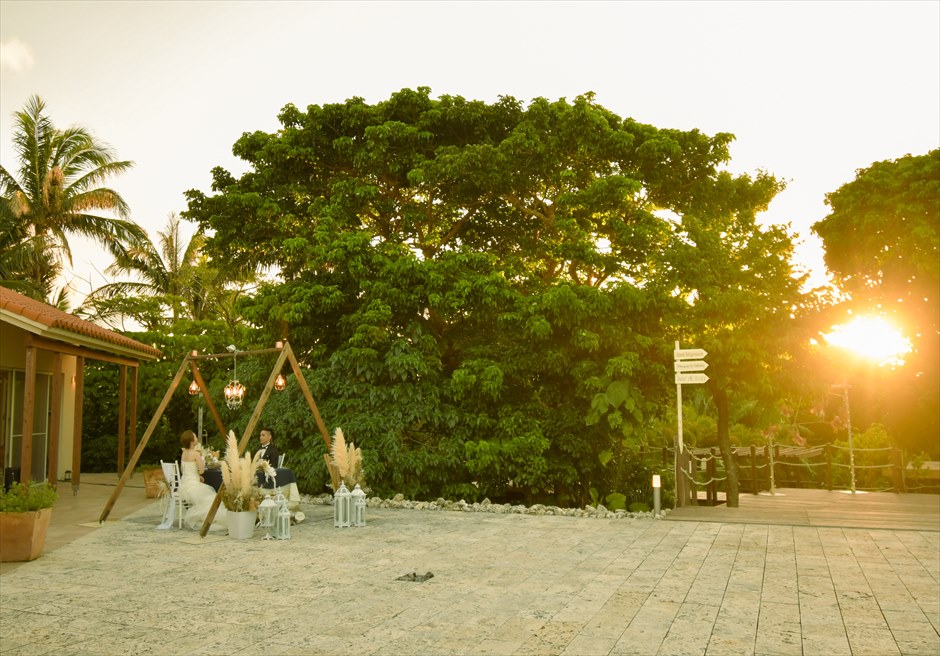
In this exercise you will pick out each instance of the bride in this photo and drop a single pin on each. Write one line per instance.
(192, 490)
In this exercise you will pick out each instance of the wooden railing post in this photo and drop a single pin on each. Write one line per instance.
(754, 484)
(712, 490)
(829, 466)
(900, 485)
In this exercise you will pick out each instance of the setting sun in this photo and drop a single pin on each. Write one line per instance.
(872, 338)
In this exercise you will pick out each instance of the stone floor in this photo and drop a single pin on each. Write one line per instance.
(502, 584)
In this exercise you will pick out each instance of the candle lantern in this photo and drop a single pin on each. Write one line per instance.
(282, 518)
(267, 511)
(341, 506)
(358, 506)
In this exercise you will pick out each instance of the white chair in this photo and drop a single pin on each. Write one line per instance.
(280, 461)
(175, 505)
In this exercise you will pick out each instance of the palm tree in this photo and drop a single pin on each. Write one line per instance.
(172, 277)
(53, 196)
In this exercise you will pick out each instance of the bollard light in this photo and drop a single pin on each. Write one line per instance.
(282, 518)
(358, 506)
(657, 485)
(267, 510)
(341, 506)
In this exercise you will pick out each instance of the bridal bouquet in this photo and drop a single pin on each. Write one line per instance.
(240, 489)
(210, 457)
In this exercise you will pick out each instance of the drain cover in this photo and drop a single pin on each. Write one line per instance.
(416, 578)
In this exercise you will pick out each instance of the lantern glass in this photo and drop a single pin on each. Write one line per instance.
(280, 383)
(193, 388)
(341, 506)
(358, 506)
(282, 521)
(234, 394)
(267, 510)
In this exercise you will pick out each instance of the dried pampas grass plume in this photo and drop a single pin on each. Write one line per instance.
(346, 461)
(339, 453)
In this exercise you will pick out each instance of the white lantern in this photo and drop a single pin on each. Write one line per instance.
(341, 506)
(282, 518)
(267, 511)
(358, 506)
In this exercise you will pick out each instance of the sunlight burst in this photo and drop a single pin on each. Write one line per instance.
(873, 338)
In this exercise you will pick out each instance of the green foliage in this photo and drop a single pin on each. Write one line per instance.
(483, 294)
(27, 498)
(878, 478)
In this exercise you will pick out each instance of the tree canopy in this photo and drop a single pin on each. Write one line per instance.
(488, 294)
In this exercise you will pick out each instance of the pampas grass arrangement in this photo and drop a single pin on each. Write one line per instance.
(240, 491)
(347, 461)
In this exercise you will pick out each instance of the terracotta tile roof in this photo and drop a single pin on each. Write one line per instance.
(53, 318)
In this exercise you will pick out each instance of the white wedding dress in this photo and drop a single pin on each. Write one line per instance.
(199, 496)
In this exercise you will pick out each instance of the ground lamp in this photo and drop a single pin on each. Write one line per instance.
(267, 511)
(358, 506)
(282, 518)
(234, 392)
(341, 506)
(657, 486)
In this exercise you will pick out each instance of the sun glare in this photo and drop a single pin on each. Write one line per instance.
(872, 338)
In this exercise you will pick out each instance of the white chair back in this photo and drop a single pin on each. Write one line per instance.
(280, 461)
(174, 510)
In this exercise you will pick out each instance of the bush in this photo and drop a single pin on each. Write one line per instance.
(20, 498)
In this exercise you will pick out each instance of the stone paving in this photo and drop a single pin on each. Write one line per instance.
(502, 584)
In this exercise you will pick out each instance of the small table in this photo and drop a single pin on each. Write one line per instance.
(284, 477)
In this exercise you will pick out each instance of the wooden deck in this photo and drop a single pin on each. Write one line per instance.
(802, 507)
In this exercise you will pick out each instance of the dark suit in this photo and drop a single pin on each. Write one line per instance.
(271, 454)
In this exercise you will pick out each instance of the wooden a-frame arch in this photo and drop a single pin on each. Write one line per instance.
(285, 353)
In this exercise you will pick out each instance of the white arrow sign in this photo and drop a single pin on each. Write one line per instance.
(689, 354)
(690, 365)
(691, 379)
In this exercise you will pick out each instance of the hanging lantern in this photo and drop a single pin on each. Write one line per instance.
(341, 506)
(282, 520)
(193, 388)
(358, 506)
(267, 511)
(280, 383)
(234, 392)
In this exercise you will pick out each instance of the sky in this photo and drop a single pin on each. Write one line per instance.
(812, 91)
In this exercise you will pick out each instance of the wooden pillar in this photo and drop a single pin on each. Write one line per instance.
(712, 492)
(122, 418)
(77, 431)
(133, 412)
(29, 409)
(55, 419)
(829, 466)
(900, 485)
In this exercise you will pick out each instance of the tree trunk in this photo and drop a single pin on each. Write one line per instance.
(724, 442)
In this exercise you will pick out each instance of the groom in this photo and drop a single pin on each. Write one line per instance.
(269, 450)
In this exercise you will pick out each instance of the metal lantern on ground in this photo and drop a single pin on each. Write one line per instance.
(282, 518)
(267, 511)
(358, 506)
(341, 506)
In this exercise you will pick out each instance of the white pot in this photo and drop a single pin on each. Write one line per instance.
(241, 525)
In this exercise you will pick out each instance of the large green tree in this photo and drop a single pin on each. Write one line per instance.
(479, 289)
(54, 193)
(882, 241)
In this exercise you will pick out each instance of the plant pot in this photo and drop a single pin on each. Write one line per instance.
(241, 525)
(23, 534)
(153, 479)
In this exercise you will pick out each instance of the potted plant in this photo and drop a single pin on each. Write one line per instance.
(241, 495)
(154, 481)
(25, 511)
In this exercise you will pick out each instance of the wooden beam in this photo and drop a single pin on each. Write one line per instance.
(302, 383)
(143, 441)
(249, 429)
(133, 412)
(122, 417)
(219, 356)
(68, 349)
(77, 423)
(29, 408)
(55, 419)
(197, 376)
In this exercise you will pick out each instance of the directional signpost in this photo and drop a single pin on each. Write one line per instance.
(686, 360)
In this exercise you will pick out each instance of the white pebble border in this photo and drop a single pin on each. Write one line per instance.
(399, 501)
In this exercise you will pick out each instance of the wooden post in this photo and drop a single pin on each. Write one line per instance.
(133, 412)
(829, 466)
(77, 423)
(900, 484)
(122, 417)
(29, 409)
(713, 486)
(754, 484)
(55, 419)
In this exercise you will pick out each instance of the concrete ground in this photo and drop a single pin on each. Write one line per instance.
(502, 584)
